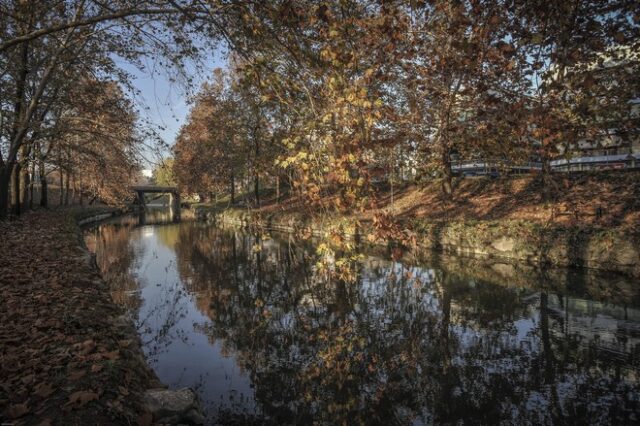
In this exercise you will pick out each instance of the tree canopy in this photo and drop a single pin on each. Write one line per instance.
(329, 96)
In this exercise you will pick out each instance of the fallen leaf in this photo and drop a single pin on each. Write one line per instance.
(95, 368)
(82, 397)
(112, 355)
(43, 390)
(17, 410)
(27, 379)
(145, 419)
(75, 375)
(87, 347)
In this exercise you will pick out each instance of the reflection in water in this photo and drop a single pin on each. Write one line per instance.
(265, 338)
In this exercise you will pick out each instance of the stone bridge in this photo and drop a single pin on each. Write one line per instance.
(174, 196)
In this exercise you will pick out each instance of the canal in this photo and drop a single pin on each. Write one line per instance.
(251, 323)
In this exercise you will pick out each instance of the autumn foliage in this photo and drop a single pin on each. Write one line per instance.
(356, 92)
(323, 98)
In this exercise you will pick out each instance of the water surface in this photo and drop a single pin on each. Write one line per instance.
(265, 337)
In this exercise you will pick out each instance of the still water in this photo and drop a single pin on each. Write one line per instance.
(250, 323)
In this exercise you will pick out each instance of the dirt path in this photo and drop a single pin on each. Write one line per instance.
(67, 354)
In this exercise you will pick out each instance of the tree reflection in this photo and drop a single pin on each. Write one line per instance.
(404, 343)
(115, 253)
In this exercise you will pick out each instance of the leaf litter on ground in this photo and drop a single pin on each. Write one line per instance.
(66, 354)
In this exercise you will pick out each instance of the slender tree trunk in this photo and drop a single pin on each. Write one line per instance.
(392, 195)
(66, 191)
(256, 189)
(31, 184)
(26, 179)
(73, 189)
(5, 173)
(15, 189)
(547, 183)
(81, 193)
(256, 177)
(233, 189)
(277, 189)
(61, 186)
(44, 194)
(447, 187)
(13, 174)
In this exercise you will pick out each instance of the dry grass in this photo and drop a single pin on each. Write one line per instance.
(604, 199)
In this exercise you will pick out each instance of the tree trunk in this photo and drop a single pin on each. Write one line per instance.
(15, 189)
(61, 186)
(233, 189)
(31, 184)
(256, 175)
(66, 191)
(73, 189)
(392, 194)
(256, 189)
(81, 194)
(44, 195)
(277, 189)
(447, 187)
(5, 172)
(26, 179)
(547, 183)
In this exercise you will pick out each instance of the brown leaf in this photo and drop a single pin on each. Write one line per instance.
(75, 375)
(87, 347)
(27, 379)
(145, 419)
(112, 355)
(17, 410)
(123, 390)
(82, 397)
(95, 368)
(43, 390)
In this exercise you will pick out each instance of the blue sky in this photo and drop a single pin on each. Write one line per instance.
(163, 103)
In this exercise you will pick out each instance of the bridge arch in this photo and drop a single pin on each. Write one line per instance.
(174, 196)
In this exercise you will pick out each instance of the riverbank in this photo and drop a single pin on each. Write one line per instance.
(69, 354)
(591, 222)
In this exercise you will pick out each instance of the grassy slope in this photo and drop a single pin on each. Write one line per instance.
(576, 201)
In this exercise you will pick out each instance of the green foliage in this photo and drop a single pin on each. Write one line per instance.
(163, 174)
